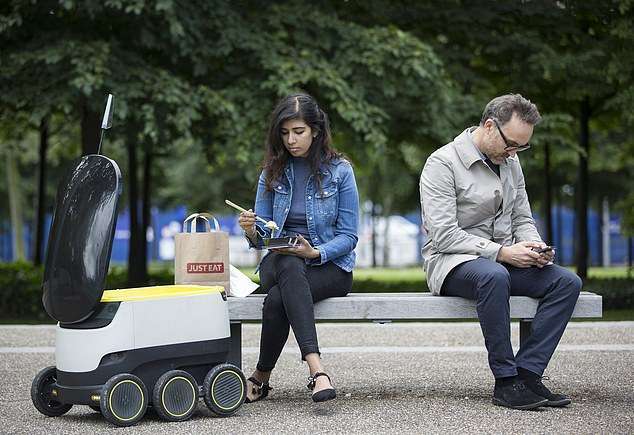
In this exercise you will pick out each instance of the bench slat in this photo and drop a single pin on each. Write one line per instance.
(406, 306)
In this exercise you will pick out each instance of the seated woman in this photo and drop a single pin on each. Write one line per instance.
(309, 190)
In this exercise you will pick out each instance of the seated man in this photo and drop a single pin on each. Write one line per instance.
(483, 245)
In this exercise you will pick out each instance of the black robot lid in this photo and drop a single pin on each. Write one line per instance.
(80, 240)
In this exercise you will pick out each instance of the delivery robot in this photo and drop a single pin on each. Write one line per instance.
(120, 351)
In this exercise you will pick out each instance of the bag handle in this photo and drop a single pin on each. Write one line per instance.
(192, 218)
(206, 216)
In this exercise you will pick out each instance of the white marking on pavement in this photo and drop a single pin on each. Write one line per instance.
(469, 349)
(369, 324)
(42, 349)
(387, 349)
(453, 349)
(469, 324)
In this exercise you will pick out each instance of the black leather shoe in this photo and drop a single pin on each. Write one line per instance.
(534, 383)
(514, 394)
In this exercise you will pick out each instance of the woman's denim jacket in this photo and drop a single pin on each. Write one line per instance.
(332, 213)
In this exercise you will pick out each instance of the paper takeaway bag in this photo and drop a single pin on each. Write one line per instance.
(202, 258)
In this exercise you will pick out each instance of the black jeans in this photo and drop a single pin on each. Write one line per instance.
(491, 284)
(292, 287)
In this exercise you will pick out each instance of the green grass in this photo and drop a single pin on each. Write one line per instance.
(608, 272)
(377, 274)
(385, 274)
(417, 273)
(26, 321)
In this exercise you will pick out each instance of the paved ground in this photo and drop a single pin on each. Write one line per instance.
(395, 378)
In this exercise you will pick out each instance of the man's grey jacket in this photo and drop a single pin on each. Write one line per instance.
(468, 211)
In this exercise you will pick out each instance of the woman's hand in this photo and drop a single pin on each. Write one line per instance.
(247, 223)
(303, 249)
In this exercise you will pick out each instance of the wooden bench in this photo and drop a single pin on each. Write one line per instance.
(386, 307)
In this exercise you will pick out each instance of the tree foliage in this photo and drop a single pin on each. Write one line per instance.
(195, 83)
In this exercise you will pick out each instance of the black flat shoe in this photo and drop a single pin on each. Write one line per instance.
(259, 388)
(323, 395)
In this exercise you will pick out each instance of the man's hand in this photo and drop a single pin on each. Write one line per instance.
(548, 255)
(522, 255)
(303, 249)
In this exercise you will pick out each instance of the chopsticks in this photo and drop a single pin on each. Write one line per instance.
(269, 224)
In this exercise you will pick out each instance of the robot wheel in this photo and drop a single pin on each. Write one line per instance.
(224, 389)
(124, 400)
(43, 393)
(175, 396)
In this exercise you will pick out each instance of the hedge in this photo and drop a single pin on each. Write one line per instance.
(21, 294)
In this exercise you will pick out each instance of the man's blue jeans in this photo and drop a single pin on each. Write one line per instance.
(491, 284)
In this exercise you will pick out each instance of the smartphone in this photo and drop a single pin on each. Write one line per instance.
(544, 250)
(281, 242)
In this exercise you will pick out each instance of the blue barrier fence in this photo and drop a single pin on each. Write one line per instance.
(160, 236)
(166, 223)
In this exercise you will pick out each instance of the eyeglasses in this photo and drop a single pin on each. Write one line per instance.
(511, 145)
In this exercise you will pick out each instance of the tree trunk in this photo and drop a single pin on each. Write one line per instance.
(548, 197)
(604, 233)
(581, 212)
(387, 211)
(558, 242)
(146, 207)
(40, 205)
(15, 205)
(373, 228)
(135, 264)
(630, 251)
(90, 125)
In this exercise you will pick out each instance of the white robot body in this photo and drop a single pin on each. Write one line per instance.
(143, 324)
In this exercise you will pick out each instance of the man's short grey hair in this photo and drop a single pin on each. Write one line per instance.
(502, 108)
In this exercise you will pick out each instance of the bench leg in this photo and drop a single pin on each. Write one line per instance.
(525, 330)
(235, 352)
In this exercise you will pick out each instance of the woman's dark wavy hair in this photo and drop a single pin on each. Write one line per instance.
(305, 108)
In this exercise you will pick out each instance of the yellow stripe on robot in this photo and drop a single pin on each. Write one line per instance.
(158, 292)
